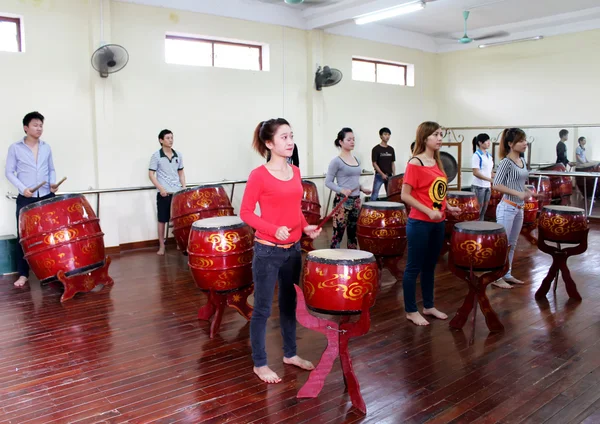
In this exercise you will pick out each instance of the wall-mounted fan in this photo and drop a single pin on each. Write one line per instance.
(466, 39)
(327, 77)
(109, 58)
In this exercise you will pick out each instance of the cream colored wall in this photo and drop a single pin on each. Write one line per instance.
(549, 82)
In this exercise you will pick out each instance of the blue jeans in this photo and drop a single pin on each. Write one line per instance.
(483, 197)
(511, 218)
(378, 181)
(425, 241)
(269, 265)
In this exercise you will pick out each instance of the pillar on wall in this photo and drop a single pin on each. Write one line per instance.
(315, 104)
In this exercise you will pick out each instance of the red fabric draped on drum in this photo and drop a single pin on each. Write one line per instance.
(220, 253)
(61, 234)
(193, 204)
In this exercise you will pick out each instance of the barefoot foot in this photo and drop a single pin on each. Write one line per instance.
(161, 251)
(502, 284)
(266, 374)
(416, 318)
(434, 312)
(21, 281)
(513, 280)
(299, 362)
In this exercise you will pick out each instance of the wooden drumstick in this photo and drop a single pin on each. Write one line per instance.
(37, 187)
(332, 212)
(61, 181)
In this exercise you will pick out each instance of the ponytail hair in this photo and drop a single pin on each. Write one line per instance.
(265, 131)
(510, 136)
(341, 135)
(480, 139)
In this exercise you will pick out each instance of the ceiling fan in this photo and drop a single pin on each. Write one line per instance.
(466, 39)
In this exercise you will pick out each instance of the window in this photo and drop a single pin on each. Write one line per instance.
(216, 53)
(378, 71)
(10, 34)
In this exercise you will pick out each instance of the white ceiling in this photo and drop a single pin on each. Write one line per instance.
(434, 29)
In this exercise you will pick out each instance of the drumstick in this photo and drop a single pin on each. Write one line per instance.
(332, 212)
(61, 181)
(37, 187)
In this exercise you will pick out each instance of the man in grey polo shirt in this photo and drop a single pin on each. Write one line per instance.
(166, 173)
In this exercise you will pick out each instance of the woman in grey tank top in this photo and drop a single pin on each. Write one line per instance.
(343, 177)
(510, 180)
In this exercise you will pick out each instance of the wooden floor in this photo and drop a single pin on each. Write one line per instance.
(137, 353)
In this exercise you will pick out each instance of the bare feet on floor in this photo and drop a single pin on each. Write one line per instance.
(21, 281)
(299, 362)
(434, 312)
(267, 375)
(502, 284)
(416, 318)
(513, 280)
(161, 251)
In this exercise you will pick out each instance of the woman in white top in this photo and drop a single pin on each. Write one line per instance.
(482, 164)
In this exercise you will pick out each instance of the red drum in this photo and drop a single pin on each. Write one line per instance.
(561, 186)
(61, 234)
(394, 188)
(310, 202)
(562, 224)
(220, 253)
(196, 203)
(586, 184)
(483, 245)
(336, 280)
(495, 198)
(545, 187)
(469, 208)
(531, 208)
(382, 228)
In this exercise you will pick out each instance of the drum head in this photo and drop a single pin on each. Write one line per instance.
(54, 199)
(479, 227)
(188, 190)
(450, 166)
(341, 256)
(460, 194)
(384, 205)
(564, 209)
(218, 223)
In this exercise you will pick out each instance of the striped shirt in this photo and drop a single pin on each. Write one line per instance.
(511, 175)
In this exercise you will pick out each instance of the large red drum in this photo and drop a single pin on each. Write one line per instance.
(61, 234)
(562, 224)
(311, 209)
(586, 184)
(220, 253)
(336, 280)
(495, 199)
(469, 208)
(483, 245)
(382, 228)
(561, 186)
(192, 204)
(543, 186)
(531, 207)
(394, 188)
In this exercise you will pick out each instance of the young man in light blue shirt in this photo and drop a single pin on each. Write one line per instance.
(580, 151)
(28, 164)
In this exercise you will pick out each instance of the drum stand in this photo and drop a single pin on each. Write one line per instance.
(217, 301)
(338, 335)
(392, 263)
(85, 281)
(476, 295)
(526, 232)
(559, 265)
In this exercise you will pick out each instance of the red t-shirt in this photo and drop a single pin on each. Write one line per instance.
(280, 204)
(429, 186)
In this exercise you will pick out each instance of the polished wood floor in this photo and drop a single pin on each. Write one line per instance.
(137, 353)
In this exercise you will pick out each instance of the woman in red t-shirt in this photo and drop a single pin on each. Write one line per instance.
(277, 188)
(424, 189)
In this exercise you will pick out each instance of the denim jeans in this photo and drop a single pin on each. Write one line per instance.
(269, 265)
(22, 201)
(378, 181)
(512, 219)
(483, 197)
(425, 240)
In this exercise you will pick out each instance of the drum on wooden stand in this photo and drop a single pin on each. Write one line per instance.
(220, 253)
(192, 204)
(544, 187)
(495, 199)
(311, 209)
(469, 211)
(530, 216)
(381, 230)
(561, 186)
(339, 282)
(586, 184)
(62, 240)
(561, 225)
(478, 247)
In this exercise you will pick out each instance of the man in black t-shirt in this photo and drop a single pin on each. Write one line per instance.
(561, 148)
(383, 158)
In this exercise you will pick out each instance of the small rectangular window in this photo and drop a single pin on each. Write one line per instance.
(379, 71)
(215, 53)
(10, 34)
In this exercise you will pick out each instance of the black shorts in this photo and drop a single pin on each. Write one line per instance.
(163, 205)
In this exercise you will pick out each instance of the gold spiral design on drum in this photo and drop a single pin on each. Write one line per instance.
(224, 243)
(76, 207)
(61, 236)
(560, 225)
(201, 262)
(31, 222)
(353, 291)
(223, 280)
(501, 242)
(370, 217)
(477, 254)
(384, 232)
(452, 201)
(48, 264)
(90, 247)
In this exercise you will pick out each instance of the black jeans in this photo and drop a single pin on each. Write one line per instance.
(272, 264)
(22, 201)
